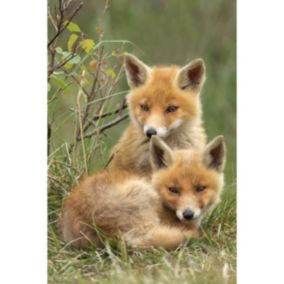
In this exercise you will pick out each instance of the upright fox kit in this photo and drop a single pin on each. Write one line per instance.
(163, 101)
(163, 212)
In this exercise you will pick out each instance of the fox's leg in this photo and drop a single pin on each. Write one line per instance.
(167, 237)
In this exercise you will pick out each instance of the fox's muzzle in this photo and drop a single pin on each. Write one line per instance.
(188, 214)
(150, 132)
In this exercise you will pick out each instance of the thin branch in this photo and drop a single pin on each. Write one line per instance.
(123, 106)
(53, 22)
(79, 85)
(81, 129)
(103, 115)
(112, 86)
(108, 97)
(62, 28)
(118, 110)
(112, 123)
(70, 57)
(48, 138)
(107, 125)
(93, 93)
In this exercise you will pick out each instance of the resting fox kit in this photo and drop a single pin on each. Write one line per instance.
(163, 212)
(163, 101)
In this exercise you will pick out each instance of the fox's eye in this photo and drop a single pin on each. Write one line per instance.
(171, 109)
(173, 189)
(144, 107)
(200, 188)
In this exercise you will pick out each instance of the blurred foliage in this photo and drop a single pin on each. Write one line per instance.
(83, 101)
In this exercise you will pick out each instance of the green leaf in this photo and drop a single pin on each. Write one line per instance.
(58, 49)
(87, 45)
(72, 39)
(111, 73)
(75, 60)
(58, 82)
(92, 64)
(72, 27)
(66, 54)
(67, 90)
(58, 73)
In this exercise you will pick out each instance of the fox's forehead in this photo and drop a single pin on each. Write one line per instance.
(189, 169)
(162, 80)
(163, 75)
(160, 85)
(185, 158)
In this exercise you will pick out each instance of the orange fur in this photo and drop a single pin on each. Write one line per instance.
(158, 88)
(143, 212)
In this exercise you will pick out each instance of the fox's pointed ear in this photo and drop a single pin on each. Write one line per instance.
(215, 154)
(192, 76)
(136, 71)
(161, 155)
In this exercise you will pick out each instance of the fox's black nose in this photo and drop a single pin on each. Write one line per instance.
(150, 132)
(188, 214)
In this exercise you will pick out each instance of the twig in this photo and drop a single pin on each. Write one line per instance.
(100, 105)
(107, 125)
(60, 27)
(81, 128)
(53, 22)
(51, 70)
(118, 110)
(79, 84)
(48, 138)
(93, 93)
(106, 114)
(108, 97)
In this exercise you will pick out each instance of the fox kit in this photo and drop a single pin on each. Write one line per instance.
(163, 212)
(163, 101)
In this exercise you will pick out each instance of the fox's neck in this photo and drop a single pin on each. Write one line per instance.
(189, 134)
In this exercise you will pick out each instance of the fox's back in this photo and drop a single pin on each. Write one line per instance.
(115, 203)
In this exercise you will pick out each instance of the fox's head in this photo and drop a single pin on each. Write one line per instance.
(163, 99)
(189, 182)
